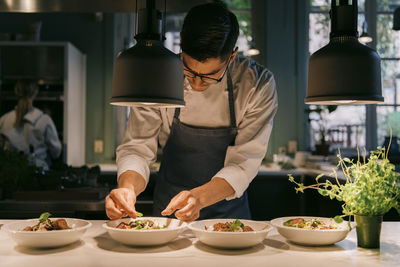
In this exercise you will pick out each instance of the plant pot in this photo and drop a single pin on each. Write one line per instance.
(368, 230)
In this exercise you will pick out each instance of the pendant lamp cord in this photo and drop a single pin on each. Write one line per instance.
(136, 18)
(165, 16)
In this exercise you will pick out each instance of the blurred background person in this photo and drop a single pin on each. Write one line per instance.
(28, 129)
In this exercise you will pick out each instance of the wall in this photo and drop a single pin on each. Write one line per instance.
(95, 38)
(281, 34)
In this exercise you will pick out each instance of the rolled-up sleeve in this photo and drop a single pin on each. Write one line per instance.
(138, 149)
(244, 158)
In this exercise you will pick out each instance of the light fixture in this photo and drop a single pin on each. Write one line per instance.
(148, 74)
(344, 71)
(364, 37)
(396, 19)
(253, 51)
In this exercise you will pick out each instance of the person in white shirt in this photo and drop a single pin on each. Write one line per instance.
(213, 147)
(28, 129)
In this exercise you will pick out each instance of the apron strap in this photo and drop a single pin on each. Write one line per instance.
(230, 99)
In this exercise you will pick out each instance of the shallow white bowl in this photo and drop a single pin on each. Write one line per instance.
(48, 239)
(230, 239)
(311, 237)
(151, 237)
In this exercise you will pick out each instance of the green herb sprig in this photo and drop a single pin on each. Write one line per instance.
(44, 217)
(237, 223)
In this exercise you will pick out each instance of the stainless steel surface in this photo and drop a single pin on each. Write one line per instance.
(35, 6)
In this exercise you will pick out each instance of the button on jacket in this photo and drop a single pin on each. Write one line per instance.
(256, 103)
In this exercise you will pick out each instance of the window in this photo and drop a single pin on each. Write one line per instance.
(379, 16)
(388, 47)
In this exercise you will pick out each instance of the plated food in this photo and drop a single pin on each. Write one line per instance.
(46, 224)
(311, 224)
(234, 226)
(140, 225)
(312, 231)
(146, 231)
(230, 233)
(47, 233)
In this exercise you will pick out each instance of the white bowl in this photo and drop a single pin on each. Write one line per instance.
(311, 237)
(230, 239)
(48, 239)
(151, 237)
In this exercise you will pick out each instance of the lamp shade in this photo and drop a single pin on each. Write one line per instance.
(148, 74)
(396, 19)
(344, 71)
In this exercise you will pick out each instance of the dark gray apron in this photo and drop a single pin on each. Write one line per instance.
(191, 157)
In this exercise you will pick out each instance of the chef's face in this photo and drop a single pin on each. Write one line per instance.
(201, 74)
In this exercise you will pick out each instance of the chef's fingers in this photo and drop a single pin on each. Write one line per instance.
(111, 210)
(177, 202)
(191, 218)
(188, 209)
(120, 199)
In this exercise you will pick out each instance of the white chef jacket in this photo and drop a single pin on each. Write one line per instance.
(256, 103)
(39, 129)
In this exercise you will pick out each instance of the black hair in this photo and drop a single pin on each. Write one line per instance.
(209, 31)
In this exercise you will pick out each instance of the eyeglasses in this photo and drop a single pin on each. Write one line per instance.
(187, 72)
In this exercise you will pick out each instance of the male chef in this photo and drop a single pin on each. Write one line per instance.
(213, 147)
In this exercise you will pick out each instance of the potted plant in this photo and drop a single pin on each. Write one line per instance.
(317, 116)
(369, 191)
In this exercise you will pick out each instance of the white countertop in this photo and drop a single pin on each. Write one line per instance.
(98, 249)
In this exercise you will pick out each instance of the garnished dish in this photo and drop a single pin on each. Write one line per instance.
(313, 223)
(145, 231)
(140, 225)
(45, 224)
(44, 232)
(235, 226)
(310, 230)
(230, 233)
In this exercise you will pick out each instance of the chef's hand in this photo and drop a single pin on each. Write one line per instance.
(121, 201)
(187, 205)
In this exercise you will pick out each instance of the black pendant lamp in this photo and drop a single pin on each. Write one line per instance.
(148, 74)
(365, 38)
(344, 71)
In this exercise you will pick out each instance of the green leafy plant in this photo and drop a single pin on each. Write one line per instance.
(370, 187)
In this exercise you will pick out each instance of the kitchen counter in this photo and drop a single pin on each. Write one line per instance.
(98, 249)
